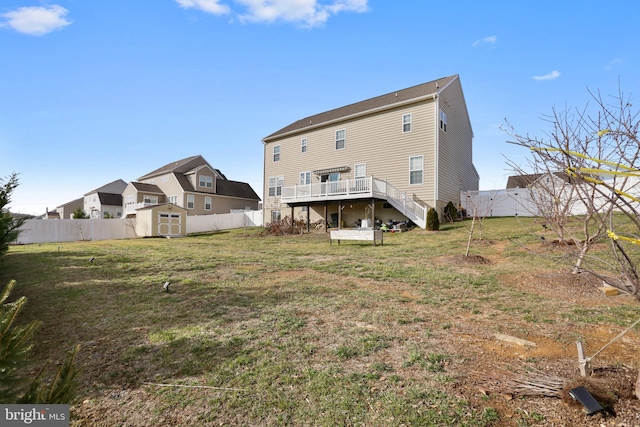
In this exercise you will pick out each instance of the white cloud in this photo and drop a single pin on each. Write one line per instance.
(613, 63)
(35, 20)
(210, 6)
(551, 76)
(490, 40)
(310, 13)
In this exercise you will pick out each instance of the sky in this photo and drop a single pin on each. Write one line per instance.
(95, 91)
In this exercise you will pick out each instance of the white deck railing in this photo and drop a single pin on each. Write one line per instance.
(358, 188)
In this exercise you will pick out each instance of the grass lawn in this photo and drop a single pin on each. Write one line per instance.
(290, 330)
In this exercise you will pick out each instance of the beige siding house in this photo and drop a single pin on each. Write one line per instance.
(390, 158)
(190, 183)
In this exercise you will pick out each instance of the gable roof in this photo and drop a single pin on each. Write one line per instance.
(180, 166)
(390, 100)
(115, 187)
(523, 181)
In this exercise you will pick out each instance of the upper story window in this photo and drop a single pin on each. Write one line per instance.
(303, 145)
(207, 203)
(191, 201)
(416, 169)
(275, 185)
(360, 170)
(206, 181)
(443, 120)
(173, 199)
(406, 123)
(305, 178)
(152, 200)
(130, 199)
(276, 153)
(340, 139)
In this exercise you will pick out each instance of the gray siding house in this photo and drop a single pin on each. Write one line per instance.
(391, 157)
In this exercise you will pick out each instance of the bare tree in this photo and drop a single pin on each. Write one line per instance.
(478, 208)
(600, 155)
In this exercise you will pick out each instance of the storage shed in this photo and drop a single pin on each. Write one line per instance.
(161, 220)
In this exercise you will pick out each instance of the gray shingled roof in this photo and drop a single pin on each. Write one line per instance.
(148, 188)
(235, 189)
(115, 187)
(180, 166)
(379, 102)
(110, 199)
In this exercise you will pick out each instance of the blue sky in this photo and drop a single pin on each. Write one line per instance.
(94, 91)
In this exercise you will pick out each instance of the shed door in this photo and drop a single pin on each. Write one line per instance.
(169, 223)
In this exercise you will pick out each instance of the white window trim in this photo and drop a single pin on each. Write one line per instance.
(410, 123)
(343, 139)
(443, 121)
(210, 203)
(276, 153)
(191, 201)
(304, 145)
(304, 176)
(421, 170)
(355, 170)
(207, 180)
(276, 180)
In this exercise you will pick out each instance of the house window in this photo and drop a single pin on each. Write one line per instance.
(416, 166)
(191, 201)
(303, 145)
(151, 200)
(340, 138)
(173, 199)
(275, 216)
(406, 123)
(305, 178)
(129, 200)
(276, 153)
(443, 120)
(207, 203)
(275, 185)
(206, 181)
(360, 170)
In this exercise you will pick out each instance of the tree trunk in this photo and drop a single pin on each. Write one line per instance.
(577, 267)
(473, 223)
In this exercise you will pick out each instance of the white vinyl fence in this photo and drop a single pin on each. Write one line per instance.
(69, 230)
(215, 222)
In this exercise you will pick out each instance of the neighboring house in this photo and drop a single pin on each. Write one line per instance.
(190, 183)
(66, 211)
(397, 155)
(525, 181)
(106, 201)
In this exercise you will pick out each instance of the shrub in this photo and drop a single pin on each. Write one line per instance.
(433, 223)
(450, 212)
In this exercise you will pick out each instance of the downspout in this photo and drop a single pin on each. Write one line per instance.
(437, 151)
(264, 176)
